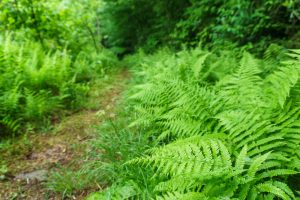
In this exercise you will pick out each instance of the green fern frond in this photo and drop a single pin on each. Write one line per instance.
(189, 158)
(199, 64)
(182, 196)
(241, 159)
(244, 85)
(10, 123)
(278, 85)
(255, 166)
(277, 188)
(275, 172)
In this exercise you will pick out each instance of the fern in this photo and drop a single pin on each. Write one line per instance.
(35, 83)
(232, 138)
(182, 196)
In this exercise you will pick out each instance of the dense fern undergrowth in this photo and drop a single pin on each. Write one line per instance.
(222, 125)
(45, 69)
(36, 85)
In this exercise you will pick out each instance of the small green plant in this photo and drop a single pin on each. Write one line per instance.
(66, 182)
(3, 171)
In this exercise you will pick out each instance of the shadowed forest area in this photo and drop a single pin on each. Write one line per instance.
(139, 99)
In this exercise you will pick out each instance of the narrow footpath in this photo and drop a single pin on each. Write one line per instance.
(33, 157)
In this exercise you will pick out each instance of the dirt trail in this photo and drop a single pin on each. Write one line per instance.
(29, 165)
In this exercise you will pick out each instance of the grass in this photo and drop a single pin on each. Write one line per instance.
(61, 149)
(114, 144)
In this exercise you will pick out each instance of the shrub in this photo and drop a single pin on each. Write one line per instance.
(132, 24)
(54, 24)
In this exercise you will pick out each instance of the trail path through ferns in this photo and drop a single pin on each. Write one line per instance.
(31, 159)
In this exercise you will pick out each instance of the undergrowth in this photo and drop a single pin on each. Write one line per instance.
(196, 124)
(224, 125)
(113, 145)
(36, 86)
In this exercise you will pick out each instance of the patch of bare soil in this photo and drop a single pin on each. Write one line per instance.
(28, 171)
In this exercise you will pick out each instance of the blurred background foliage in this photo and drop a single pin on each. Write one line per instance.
(55, 24)
(50, 53)
(132, 24)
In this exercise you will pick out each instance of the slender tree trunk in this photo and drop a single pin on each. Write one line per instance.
(93, 37)
(36, 23)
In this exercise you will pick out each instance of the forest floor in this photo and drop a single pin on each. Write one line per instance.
(27, 162)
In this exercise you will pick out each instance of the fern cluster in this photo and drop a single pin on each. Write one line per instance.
(35, 84)
(227, 125)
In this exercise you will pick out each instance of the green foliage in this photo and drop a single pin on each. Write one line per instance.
(49, 51)
(224, 124)
(113, 145)
(135, 23)
(55, 24)
(131, 23)
(226, 129)
(69, 182)
(121, 192)
(239, 21)
(35, 84)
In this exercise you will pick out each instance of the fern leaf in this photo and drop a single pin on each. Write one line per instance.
(277, 190)
(241, 159)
